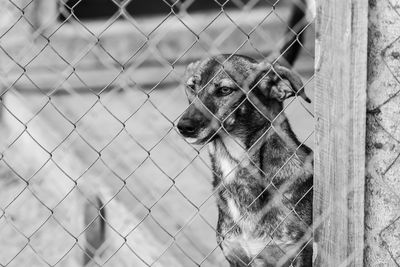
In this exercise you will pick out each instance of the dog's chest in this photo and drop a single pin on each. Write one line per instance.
(243, 198)
(241, 186)
(255, 241)
(243, 190)
(228, 168)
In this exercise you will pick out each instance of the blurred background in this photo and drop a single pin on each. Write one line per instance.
(92, 170)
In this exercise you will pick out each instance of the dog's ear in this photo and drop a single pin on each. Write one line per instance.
(280, 82)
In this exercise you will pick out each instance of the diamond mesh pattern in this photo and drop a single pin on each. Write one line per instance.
(93, 171)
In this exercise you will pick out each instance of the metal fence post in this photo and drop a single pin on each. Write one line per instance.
(340, 100)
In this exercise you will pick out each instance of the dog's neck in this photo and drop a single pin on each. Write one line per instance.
(273, 152)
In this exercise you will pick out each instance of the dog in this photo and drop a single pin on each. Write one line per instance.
(262, 174)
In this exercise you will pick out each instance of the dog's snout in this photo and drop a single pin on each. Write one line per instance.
(186, 127)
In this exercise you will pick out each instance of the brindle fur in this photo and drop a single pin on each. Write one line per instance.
(260, 217)
(262, 174)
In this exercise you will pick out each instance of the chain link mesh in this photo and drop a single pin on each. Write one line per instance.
(93, 169)
(383, 139)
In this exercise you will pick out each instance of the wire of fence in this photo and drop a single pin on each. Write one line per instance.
(94, 171)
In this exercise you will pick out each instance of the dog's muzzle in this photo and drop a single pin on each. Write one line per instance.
(187, 128)
(195, 132)
(195, 125)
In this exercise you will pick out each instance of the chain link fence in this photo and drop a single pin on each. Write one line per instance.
(382, 183)
(93, 171)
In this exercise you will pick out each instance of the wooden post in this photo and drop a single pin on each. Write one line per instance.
(382, 196)
(340, 108)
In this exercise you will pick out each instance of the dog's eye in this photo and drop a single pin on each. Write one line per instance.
(224, 91)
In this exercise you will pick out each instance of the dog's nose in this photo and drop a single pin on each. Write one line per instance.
(186, 127)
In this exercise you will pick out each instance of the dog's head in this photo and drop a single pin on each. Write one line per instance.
(234, 94)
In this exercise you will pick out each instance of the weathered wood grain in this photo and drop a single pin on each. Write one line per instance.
(340, 109)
